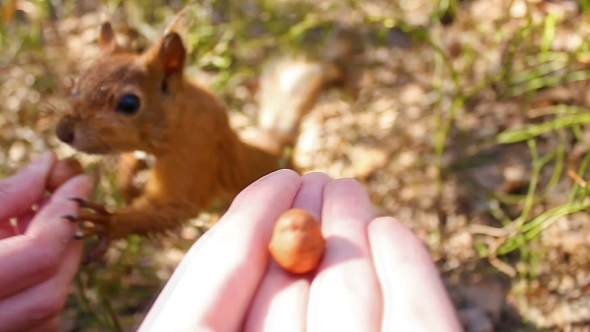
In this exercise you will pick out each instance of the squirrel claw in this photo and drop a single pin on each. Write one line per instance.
(98, 208)
(79, 235)
(89, 223)
(71, 217)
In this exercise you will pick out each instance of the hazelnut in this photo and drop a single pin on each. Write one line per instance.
(297, 244)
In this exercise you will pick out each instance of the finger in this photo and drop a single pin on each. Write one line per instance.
(22, 221)
(38, 307)
(50, 325)
(6, 230)
(345, 295)
(9, 229)
(20, 191)
(218, 277)
(280, 303)
(34, 256)
(53, 324)
(310, 195)
(414, 298)
(25, 219)
(60, 203)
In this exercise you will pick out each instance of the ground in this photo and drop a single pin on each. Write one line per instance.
(467, 120)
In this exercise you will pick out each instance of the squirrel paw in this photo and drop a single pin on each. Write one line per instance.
(90, 223)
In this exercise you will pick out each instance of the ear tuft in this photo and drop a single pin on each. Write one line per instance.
(172, 53)
(107, 40)
(181, 22)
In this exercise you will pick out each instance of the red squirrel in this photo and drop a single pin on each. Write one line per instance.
(126, 101)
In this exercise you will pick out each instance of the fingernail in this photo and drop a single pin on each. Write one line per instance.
(88, 180)
(43, 163)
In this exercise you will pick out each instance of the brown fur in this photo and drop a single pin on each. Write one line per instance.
(198, 156)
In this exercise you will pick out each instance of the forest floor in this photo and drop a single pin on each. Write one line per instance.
(467, 120)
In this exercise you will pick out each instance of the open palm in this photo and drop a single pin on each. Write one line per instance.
(375, 276)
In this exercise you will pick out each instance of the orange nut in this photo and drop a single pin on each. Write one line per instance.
(297, 243)
(62, 171)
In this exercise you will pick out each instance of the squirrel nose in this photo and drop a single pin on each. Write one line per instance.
(65, 129)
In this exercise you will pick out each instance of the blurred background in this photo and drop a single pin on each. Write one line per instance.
(467, 120)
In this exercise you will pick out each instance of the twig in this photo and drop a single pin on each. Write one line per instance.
(572, 174)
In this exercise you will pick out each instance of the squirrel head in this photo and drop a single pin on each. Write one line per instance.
(118, 104)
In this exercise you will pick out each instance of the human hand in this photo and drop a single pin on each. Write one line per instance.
(37, 259)
(375, 275)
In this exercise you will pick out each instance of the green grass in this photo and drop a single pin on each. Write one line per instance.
(231, 49)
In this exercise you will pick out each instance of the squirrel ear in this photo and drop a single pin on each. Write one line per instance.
(181, 22)
(107, 40)
(172, 53)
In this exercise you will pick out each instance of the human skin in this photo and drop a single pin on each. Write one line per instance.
(376, 275)
(38, 260)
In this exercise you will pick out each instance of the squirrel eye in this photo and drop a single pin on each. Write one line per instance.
(129, 104)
